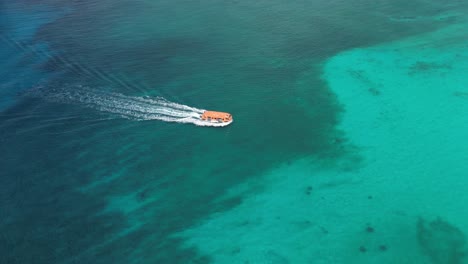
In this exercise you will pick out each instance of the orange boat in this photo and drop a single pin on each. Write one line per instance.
(214, 116)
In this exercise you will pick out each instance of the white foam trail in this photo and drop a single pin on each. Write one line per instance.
(130, 107)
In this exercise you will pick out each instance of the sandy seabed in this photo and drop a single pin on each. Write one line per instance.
(405, 106)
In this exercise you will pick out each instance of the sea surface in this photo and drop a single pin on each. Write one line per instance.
(348, 143)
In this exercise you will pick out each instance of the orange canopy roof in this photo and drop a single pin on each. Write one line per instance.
(214, 114)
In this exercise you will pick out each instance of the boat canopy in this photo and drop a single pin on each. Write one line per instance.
(214, 115)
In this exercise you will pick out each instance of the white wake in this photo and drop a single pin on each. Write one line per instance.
(130, 107)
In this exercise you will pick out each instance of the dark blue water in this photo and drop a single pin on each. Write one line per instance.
(88, 178)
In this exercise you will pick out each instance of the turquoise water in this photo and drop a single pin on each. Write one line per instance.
(347, 144)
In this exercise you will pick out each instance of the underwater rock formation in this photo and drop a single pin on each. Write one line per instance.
(424, 66)
(442, 242)
(460, 94)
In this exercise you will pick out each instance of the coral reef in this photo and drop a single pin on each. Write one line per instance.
(442, 242)
(369, 229)
(460, 94)
(424, 66)
(371, 86)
